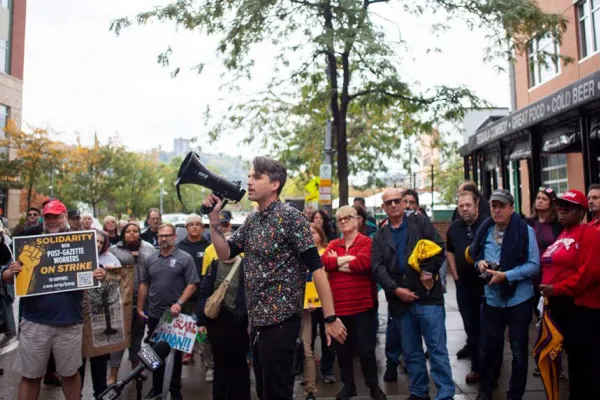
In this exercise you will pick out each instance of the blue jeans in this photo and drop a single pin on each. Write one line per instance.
(426, 322)
(393, 344)
(494, 321)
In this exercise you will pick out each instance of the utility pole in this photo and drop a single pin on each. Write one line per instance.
(161, 181)
(325, 173)
(432, 183)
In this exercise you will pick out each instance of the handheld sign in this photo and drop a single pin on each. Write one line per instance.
(54, 263)
(179, 332)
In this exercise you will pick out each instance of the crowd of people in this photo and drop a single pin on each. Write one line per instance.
(503, 266)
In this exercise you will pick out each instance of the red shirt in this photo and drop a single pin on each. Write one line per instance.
(354, 292)
(595, 223)
(572, 265)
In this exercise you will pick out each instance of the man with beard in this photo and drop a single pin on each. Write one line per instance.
(469, 287)
(168, 283)
(51, 323)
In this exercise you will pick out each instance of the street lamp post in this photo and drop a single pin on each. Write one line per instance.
(161, 181)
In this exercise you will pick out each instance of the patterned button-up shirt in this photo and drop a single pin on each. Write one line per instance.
(275, 275)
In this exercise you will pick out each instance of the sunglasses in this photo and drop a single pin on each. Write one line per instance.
(392, 201)
(343, 220)
(33, 215)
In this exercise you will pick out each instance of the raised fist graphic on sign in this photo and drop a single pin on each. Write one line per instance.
(30, 258)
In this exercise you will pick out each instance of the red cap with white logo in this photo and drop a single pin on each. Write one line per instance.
(574, 197)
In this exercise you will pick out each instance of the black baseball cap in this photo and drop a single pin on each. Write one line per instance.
(225, 216)
(74, 214)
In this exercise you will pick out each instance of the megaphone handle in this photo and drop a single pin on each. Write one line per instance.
(206, 210)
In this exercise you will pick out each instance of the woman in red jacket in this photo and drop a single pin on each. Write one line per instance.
(348, 263)
(571, 280)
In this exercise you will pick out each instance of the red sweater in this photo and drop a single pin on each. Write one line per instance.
(354, 292)
(572, 265)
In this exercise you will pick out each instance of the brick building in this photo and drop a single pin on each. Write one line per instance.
(552, 138)
(12, 49)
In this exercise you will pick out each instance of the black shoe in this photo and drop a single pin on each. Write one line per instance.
(536, 372)
(463, 353)
(415, 397)
(377, 393)
(52, 379)
(346, 393)
(176, 395)
(310, 396)
(329, 379)
(484, 396)
(391, 373)
(154, 394)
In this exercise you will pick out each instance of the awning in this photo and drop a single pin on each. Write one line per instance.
(522, 150)
(570, 97)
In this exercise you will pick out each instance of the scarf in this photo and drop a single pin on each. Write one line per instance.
(514, 249)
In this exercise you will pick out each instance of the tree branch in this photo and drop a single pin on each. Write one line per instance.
(419, 100)
(308, 3)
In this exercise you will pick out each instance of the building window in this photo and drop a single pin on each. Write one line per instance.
(4, 56)
(588, 13)
(5, 3)
(554, 172)
(3, 122)
(542, 57)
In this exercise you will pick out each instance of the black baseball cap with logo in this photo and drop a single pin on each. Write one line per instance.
(74, 214)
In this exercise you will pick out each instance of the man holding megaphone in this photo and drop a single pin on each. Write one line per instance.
(279, 248)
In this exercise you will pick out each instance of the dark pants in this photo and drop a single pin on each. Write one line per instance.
(469, 306)
(580, 327)
(327, 355)
(273, 358)
(494, 321)
(98, 368)
(393, 343)
(159, 374)
(361, 342)
(230, 343)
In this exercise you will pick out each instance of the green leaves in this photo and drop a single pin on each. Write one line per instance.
(371, 104)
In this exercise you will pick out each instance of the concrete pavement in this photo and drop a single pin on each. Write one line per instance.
(195, 387)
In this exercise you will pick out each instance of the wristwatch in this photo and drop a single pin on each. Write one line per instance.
(180, 302)
(330, 319)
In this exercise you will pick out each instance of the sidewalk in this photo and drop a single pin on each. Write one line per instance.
(195, 387)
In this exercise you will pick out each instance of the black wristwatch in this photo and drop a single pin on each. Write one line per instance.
(330, 319)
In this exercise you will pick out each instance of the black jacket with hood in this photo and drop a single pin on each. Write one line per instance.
(387, 273)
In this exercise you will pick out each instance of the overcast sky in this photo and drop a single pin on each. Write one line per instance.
(80, 77)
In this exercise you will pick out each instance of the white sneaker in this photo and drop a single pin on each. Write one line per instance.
(210, 375)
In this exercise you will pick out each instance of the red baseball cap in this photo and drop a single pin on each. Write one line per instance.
(54, 207)
(574, 197)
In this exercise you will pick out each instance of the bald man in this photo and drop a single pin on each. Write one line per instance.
(415, 298)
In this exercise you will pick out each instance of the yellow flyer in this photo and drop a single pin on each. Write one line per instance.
(310, 295)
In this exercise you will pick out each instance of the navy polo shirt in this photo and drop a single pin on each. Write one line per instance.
(400, 236)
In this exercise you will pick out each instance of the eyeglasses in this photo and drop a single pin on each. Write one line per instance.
(392, 201)
(343, 220)
(165, 236)
(33, 214)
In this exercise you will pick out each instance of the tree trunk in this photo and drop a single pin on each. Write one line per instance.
(29, 194)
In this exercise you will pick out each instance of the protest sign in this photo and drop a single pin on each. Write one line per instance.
(107, 313)
(179, 332)
(54, 263)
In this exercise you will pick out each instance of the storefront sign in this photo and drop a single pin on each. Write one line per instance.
(572, 96)
(54, 263)
(179, 332)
